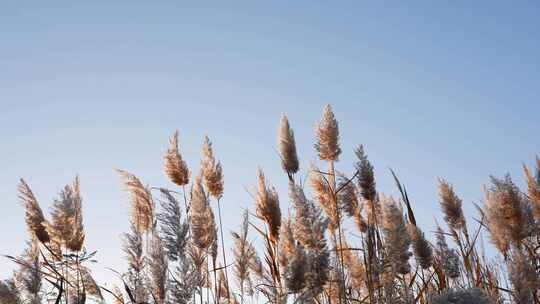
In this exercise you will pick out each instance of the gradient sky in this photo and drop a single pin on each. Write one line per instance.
(432, 90)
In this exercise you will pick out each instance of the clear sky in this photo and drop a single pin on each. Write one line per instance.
(431, 88)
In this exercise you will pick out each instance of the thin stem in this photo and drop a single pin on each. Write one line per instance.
(223, 248)
(336, 205)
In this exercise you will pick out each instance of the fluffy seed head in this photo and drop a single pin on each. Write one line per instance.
(203, 227)
(175, 167)
(421, 247)
(142, 204)
(451, 206)
(244, 254)
(533, 189)
(396, 237)
(287, 147)
(523, 277)
(267, 207)
(507, 213)
(211, 170)
(35, 221)
(348, 199)
(324, 196)
(366, 176)
(66, 227)
(309, 225)
(328, 136)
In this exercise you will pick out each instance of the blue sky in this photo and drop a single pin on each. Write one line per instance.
(447, 89)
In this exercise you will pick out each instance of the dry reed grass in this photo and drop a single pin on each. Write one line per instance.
(343, 242)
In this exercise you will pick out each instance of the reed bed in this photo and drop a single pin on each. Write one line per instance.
(175, 251)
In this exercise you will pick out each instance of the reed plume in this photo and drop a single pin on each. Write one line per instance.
(28, 278)
(396, 237)
(157, 264)
(355, 268)
(211, 170)
(506, 215)
(309, 227)
(366, 175)
(202, 223)
(296, 270)
(447, 258)
(451, 206)
(533, 188)
(328, 136)
(324, 195)
(175, 167)
(421, 247)
(174, 230)
(142, 204)
(347, 196)
(9, 294)
(66, 226)
(244, 253)
(267, 207)
(90, 286)
(287, 148)
(287, 242)
(309, 224)
(35, 221)
(135, 277)
(524, 278)
(213, 177)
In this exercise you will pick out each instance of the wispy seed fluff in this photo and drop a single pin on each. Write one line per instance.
(533, 189)
(355, 267)
(396, 237)
(295, 271)
(523, 277)
(328, 136)
(287, 243)
(448, 258)
(421, 247)
(267, 207)
(211, 170)
(157, 263)
(287, 147)
(203, 227)
(66, 227)
(35, 221)
(324, 195)
(451, 206)
(507, 213)
(309, 225)
(244, 254)
(348, 200)
(175, 167)
(142, 204)
(366, 176)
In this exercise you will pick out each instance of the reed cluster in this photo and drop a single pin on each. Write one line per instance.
(341, 240)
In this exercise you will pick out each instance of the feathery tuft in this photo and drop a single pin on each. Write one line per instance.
(267, 207)
(35, 221)
(142, 204)
(397, 240)
(287, 148)
(203, 227)
(451, 206)
(366, 176)
(211, 170)
(175, 167)
(328, 136)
